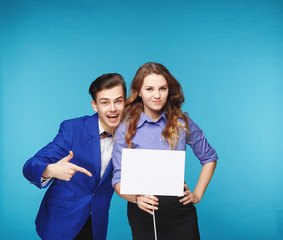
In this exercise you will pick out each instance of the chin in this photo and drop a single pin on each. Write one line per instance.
(158, 109)
(114, 124)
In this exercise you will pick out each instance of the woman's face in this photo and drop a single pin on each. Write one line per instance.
(154, 93)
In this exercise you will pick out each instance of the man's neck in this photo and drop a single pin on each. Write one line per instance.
(105, 128)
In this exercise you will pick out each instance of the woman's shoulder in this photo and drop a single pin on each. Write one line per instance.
(192, 125)
(187, 117)
(121, 130)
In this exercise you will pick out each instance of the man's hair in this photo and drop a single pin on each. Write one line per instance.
(107, 81)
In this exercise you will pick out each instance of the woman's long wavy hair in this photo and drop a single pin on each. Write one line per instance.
(172, 108)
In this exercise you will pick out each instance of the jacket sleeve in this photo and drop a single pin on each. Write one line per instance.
(51, 153)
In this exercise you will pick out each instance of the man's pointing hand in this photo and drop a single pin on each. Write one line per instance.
(63, 169)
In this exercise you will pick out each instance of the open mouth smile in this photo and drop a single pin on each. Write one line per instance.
(113, 117)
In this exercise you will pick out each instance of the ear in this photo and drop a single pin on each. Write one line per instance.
(94, 105)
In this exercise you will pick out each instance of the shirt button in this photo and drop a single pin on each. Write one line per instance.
(93, 194)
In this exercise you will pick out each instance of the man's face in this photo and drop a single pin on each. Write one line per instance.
(109, 105)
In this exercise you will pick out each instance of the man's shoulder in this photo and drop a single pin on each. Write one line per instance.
(84, 120)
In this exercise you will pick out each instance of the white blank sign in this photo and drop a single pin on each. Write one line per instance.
(152, 172)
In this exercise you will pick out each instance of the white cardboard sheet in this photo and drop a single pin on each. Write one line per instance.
(152, 172)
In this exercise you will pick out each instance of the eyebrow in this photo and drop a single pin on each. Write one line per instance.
(119, 97)
(165, 85)
(103, 99)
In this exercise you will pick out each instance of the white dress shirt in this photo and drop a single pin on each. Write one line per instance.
(106, 148)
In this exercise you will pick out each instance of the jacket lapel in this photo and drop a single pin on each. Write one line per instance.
(94, 145)
(108, 170)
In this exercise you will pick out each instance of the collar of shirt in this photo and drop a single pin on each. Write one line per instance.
(100, 128)
(162, 120)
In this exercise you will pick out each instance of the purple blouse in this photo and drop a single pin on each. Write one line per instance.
(148, 136)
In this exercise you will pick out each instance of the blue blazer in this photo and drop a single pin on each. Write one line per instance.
(67, 204)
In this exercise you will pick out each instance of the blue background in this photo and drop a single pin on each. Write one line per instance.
(228, 56)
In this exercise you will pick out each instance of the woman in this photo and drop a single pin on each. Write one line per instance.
(153, 119)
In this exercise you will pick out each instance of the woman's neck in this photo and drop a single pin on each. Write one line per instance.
(153, 115)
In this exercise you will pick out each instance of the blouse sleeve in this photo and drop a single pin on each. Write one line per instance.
(118, 145)
(199, 144)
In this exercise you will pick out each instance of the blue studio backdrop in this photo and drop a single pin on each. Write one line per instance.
(228, 57)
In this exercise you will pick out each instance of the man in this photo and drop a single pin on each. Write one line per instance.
(77, 166)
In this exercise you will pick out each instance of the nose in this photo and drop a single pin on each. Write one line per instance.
(112, 107)
(157, 94)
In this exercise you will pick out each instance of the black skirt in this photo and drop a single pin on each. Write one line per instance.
(174, 221)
